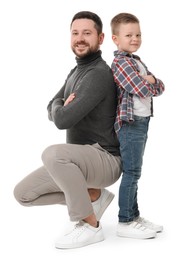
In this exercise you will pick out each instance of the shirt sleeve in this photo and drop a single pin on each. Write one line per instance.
(127, 77)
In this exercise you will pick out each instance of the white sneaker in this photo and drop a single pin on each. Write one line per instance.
(83, 234)
(134, 230)
(101, 204)
(150, 225)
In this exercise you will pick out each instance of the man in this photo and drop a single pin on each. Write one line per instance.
(77, 172)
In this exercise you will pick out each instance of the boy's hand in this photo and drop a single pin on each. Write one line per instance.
(149, 78)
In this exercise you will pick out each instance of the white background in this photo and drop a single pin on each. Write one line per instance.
(35, 58)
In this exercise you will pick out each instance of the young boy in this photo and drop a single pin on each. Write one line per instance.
(136, 87)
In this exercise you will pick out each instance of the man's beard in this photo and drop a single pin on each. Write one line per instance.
(88, 52)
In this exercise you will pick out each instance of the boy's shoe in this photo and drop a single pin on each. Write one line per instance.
(83, 234)
(148, 224)
(101, 204)
(134, 229)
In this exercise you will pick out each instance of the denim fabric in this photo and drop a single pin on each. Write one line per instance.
(132, 137)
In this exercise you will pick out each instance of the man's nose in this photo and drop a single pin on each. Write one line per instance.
(80, 37)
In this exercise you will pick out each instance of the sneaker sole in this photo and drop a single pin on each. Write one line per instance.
(78, 245)
(141, 236)
(106, 204)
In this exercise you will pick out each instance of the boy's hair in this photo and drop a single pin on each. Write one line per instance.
(120, 19)
(91, 16)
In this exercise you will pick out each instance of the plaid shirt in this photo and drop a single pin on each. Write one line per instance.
(126, 76)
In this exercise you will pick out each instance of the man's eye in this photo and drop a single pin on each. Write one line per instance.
(87, 33)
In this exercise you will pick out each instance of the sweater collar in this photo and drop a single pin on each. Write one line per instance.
(88, 59)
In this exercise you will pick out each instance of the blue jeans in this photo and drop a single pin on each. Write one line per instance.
(132, 137)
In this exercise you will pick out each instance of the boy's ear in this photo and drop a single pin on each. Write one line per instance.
(115, 39)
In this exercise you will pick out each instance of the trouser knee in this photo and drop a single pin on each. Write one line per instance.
(57, 153)
(18, 196)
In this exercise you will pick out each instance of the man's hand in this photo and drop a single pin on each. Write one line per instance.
(69, 99)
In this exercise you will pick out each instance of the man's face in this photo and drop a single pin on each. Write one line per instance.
(84, 37)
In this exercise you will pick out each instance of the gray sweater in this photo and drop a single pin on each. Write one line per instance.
(90, 117)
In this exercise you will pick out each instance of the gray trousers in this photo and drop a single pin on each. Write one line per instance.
(68, 171)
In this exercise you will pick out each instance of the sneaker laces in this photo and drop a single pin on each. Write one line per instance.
(79, 225)
(77, 229)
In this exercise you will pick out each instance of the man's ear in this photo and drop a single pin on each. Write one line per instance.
(101, 38)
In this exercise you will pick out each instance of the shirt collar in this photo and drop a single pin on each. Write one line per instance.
(124, 53)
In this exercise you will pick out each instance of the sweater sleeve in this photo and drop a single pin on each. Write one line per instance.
(60, 97)
(89, 92)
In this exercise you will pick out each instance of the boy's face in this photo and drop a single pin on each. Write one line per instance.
(128, 37)
(84, 37)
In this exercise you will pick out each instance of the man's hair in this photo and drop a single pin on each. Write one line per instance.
(91, 16)
(122, 18)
